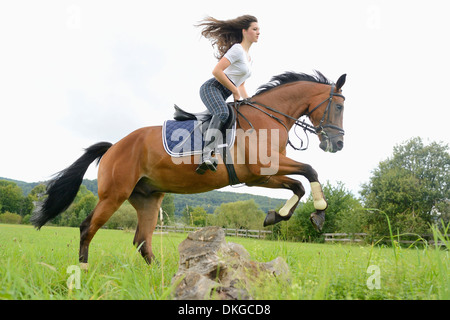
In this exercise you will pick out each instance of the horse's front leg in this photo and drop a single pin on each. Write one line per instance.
(289, 207)
(288, 166)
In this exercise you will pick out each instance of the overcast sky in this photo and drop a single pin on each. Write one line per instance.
(73, 73)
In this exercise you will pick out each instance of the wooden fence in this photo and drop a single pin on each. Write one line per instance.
(359, 237)
(258, 234)
(329, 237)
(344, 237)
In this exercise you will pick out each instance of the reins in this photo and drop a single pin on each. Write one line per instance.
(297, 122)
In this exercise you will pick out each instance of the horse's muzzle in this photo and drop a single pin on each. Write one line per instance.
(332, 145)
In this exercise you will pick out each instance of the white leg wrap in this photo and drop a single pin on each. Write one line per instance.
(288, 206)
(84, 266)
(319, 201)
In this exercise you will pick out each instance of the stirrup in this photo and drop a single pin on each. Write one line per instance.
(209, 163)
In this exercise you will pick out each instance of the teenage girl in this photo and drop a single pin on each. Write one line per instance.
(233, 39)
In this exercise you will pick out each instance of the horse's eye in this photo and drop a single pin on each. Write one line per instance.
(339, 107)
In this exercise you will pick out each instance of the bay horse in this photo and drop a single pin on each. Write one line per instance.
(138, 169)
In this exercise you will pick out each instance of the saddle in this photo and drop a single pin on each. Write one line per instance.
(204, 117)
(183, 136)
(181, 115)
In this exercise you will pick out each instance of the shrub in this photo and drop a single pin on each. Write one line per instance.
(12, 218)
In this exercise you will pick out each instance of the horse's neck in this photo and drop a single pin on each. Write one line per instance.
(292, 100)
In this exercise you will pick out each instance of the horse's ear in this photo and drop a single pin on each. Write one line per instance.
(340, 82)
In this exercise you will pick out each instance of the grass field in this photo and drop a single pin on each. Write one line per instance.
(34, 265)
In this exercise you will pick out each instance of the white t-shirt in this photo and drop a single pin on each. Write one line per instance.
(240, 68)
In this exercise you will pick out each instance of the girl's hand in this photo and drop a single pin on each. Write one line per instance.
(236, 95)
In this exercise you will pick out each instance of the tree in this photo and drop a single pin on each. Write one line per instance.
(38, 192)
(124, 218)
(411, 187)
(168, 207)
(199, 215)
(186, 216)
(82, 206)
(343, 206)
(11, 197)
(239, 215)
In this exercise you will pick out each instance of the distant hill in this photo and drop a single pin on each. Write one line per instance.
(213, 199)
(25, 186)
(208, 200)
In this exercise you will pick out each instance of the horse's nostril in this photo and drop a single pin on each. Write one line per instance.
(340, 145)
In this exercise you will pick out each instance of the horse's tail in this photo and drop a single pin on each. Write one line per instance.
(63, 188)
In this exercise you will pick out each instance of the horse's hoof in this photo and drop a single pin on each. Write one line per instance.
(317, 220)
(272, 218)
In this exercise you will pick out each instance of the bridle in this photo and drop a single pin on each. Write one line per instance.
(320, 129)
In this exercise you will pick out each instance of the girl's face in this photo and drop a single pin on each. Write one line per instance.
(252, 33)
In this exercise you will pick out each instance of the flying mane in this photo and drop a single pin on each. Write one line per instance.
(289, 77)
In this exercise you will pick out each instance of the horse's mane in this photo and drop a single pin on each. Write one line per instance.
(289, 77)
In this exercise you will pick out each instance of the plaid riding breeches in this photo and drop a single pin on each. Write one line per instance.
(214, 96)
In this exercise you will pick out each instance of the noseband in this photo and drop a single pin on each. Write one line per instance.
(320, 129)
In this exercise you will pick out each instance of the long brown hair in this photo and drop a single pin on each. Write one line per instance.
(225, 33)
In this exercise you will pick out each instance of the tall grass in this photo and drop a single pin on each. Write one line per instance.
(33, 265)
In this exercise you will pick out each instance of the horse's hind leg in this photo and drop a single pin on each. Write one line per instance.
(147, 207)
(88, 228)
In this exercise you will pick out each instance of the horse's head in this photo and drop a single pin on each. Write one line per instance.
(327, 117)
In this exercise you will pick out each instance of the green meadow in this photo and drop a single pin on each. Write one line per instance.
(43, 265)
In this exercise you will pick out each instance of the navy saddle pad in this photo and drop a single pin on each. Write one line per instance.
(185, 138)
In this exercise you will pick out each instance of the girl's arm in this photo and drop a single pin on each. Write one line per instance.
(223, 79)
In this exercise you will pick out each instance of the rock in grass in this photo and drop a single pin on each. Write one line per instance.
(212, 268)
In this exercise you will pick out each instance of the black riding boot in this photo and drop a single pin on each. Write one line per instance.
(208, 160)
